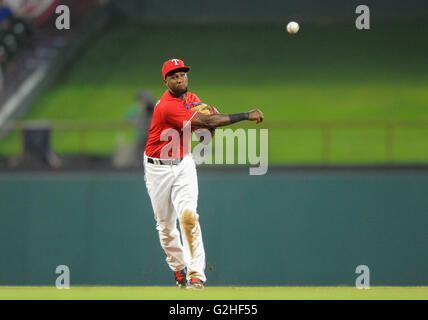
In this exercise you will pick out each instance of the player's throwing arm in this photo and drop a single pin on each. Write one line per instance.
(219, 120)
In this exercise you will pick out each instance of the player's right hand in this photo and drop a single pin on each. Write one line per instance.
(256, 115)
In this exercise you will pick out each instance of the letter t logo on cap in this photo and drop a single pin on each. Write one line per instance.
(173, 64)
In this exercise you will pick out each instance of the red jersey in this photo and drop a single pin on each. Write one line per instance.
(171, 113)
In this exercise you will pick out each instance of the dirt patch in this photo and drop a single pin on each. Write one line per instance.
(189, 223)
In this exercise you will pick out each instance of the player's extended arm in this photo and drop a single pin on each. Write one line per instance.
(221, 120)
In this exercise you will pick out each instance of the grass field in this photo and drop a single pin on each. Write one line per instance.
(327, 72)
(214, 293)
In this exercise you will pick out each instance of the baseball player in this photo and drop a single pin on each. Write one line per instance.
(170, 173)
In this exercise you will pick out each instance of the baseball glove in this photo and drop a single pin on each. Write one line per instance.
(203, 108)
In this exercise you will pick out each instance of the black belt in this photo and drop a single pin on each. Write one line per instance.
(164, 162)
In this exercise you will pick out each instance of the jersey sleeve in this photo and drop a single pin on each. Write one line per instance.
(195, 98)
(180, 118)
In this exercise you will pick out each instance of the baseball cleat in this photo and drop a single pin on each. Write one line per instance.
(195, 283)
(180, 278)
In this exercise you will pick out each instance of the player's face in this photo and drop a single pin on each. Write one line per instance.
(177, 82)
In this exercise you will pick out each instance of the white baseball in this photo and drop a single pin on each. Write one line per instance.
(293, 27)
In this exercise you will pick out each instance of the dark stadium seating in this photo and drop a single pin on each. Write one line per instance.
(13, 34)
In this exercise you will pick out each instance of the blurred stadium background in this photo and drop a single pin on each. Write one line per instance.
(347, 113)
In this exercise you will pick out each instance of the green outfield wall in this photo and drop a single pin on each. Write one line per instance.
(284, 228)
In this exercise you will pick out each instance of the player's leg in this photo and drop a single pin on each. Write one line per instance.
(184, 196)
(159, 180)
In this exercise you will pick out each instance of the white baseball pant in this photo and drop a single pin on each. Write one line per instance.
(173, 191)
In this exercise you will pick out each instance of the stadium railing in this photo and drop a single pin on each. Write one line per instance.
(325, 129)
